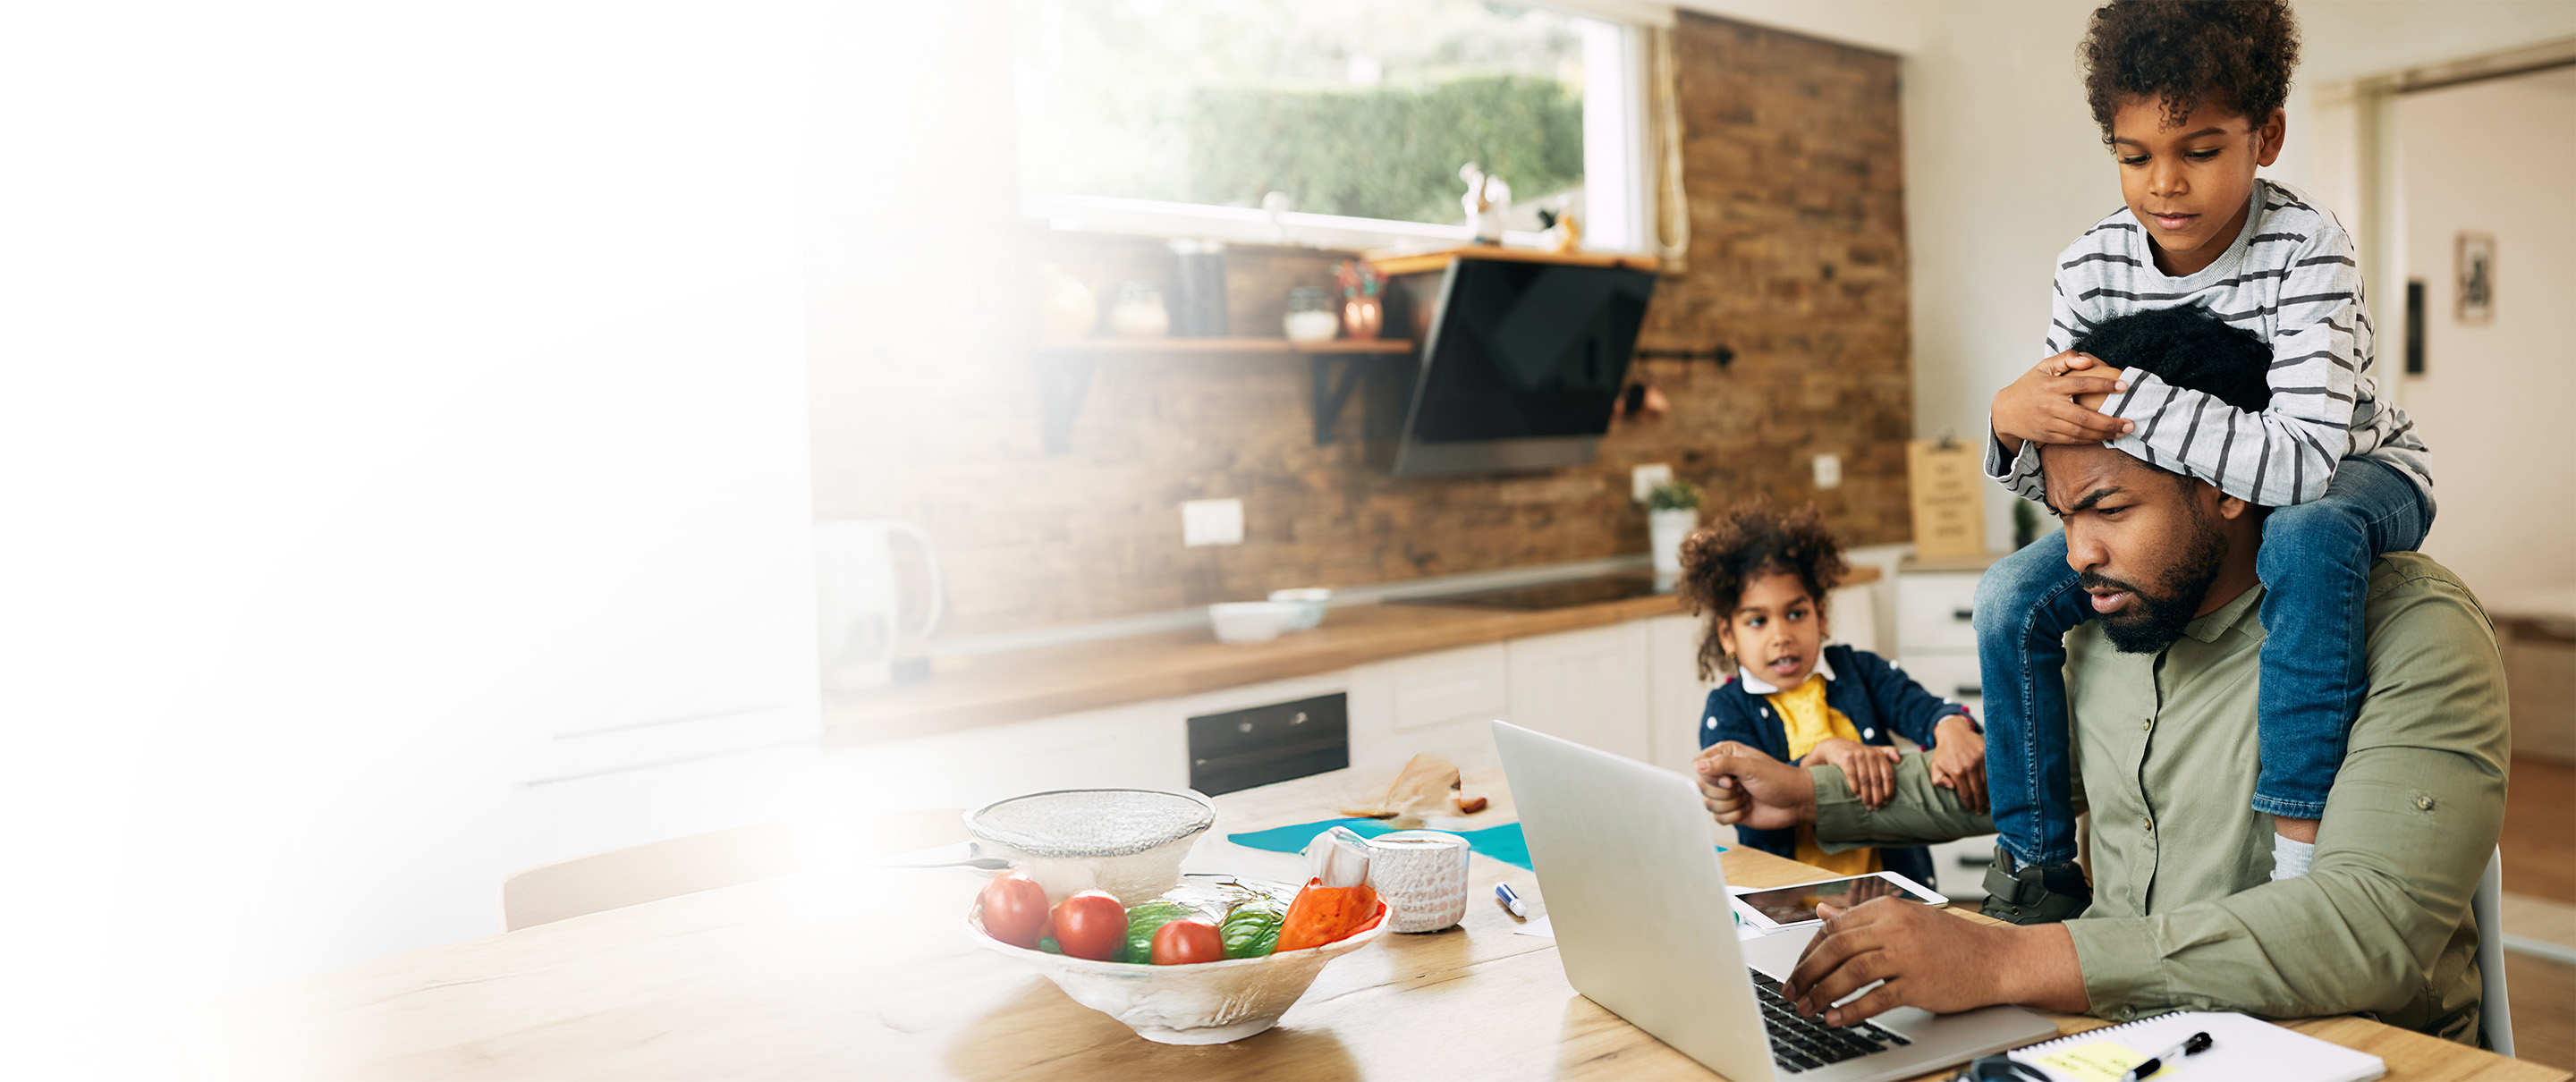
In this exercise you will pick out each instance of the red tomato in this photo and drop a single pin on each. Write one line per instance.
(1015, 910)
(1090, 925)
(1186, 942)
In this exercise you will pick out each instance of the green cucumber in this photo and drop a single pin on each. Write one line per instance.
(1251, 928)
(1143, 921)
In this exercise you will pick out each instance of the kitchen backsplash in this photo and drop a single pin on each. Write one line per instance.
(1796, 262)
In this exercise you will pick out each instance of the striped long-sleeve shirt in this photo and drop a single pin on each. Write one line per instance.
(2291, 277)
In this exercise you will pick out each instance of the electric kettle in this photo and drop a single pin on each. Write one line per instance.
(861, 598)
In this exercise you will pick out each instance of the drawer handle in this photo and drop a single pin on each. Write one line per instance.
(1969, 691)
(1963, 615)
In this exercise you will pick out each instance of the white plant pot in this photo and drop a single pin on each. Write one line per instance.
(1667, 529)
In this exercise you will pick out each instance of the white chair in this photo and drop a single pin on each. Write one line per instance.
(649, 873)
(723, 858)
(2495, 1014)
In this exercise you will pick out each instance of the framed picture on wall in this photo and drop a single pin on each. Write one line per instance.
(2477, 277)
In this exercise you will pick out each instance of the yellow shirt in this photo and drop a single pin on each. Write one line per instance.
(1807, 722)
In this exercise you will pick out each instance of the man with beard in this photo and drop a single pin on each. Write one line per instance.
(2161, 692)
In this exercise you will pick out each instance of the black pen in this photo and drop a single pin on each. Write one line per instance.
(2198, 1044)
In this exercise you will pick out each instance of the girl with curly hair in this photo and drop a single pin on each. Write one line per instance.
(1761, 578)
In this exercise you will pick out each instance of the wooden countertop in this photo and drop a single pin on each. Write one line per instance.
(866, 973)
(1026, 684)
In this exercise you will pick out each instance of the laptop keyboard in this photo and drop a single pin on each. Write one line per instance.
(1804, 1044)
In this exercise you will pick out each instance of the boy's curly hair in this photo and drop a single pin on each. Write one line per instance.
(1750, 541)
(2234, 54)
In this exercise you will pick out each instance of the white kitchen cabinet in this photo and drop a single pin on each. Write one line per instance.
(1143, 745)
(1948, 675)
(1933, 611)
(1678, 694)
(1441, 702)
(1138, 744)
(1628, 688)
(1936, 637)
(1851, 616)
(1588, 686)
(1936, 644)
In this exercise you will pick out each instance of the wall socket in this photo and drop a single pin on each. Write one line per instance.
(1829, 471)
(1211, 522)
(1643, 479)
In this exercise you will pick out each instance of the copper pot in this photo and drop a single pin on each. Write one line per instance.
(1362, 316)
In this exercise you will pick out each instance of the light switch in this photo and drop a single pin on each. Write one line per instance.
(1829, 471)
(1643, 479)
(1211, 522)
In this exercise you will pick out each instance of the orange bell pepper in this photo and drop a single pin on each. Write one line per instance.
(1322, 914)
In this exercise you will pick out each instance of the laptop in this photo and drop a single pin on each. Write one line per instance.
(1639, 904)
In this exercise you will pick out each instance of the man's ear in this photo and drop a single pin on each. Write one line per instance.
(2229, 507)
(2268, 136)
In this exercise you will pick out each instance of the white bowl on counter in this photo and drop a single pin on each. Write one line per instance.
(1251, 621)
(1310, 601)
(1128, 842)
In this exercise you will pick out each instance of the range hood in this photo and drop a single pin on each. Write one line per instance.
(1521, 365)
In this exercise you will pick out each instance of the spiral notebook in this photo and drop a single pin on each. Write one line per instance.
(2241, 1047)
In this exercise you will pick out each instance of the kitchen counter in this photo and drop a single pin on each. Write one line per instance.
(1024, 684)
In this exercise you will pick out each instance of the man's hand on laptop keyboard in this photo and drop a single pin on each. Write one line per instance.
(1931, 959)
(1744, 787)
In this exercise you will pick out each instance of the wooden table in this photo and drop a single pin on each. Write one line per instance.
(864, 973)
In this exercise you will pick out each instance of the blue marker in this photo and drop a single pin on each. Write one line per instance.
(1503, 893)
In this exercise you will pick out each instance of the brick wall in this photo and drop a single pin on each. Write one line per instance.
(1797, 262)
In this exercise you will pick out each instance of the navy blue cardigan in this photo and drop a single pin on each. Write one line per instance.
(1880, 700)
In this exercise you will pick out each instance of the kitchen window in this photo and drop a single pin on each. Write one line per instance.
(1336, 123)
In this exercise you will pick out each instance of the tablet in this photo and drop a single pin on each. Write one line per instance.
(1782, 907)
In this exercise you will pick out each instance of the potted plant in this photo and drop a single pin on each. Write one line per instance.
(1672, 512)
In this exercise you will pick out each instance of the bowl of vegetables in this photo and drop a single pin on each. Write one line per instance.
(1198, 964)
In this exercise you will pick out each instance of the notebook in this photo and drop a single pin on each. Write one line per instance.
(2241, 1047)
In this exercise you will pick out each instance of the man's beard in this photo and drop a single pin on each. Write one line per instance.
(2151, 622)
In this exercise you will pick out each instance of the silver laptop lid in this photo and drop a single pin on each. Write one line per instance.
(1632, 885)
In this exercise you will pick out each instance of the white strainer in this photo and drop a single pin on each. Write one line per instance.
(1128, 842)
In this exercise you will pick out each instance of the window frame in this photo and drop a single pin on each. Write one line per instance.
(1615, 165)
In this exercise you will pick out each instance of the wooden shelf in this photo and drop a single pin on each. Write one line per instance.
(1225, 345)
(1392, 262)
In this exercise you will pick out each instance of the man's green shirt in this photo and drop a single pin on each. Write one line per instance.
(2185, 916)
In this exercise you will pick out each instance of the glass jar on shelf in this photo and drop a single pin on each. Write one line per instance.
(1139, 313)
(1311, 317)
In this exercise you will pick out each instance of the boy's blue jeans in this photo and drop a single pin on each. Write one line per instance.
(2315, 567)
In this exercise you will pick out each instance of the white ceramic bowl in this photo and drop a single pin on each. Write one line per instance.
(1128, 842)
(1207, 1003)
(1310, 603)
(1251, 621)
